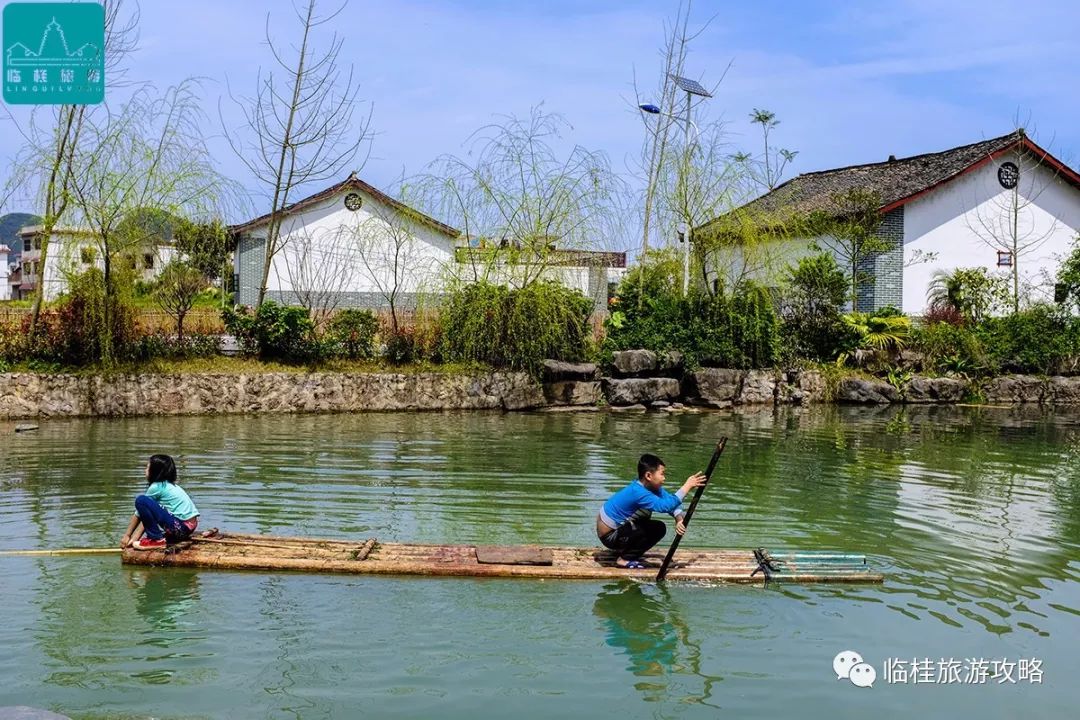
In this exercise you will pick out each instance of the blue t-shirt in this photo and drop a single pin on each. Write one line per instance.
(636, 502)
(173, 498)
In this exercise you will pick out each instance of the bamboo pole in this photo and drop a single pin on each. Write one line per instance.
(60, 551)
(690, 511)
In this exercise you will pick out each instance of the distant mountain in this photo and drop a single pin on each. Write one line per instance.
(10, 225)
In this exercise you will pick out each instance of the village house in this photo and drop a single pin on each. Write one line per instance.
(351, 245)
(993, 204)
(72, 250)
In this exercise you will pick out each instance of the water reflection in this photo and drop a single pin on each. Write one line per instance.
(972, 514)
(642, 621)
(164, 599)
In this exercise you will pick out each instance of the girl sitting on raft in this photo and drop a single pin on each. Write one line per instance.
(165, 511)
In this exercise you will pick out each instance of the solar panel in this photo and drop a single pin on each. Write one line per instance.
(691, 86)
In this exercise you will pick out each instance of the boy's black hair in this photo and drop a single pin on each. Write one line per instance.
(162, 467)
(648, 463)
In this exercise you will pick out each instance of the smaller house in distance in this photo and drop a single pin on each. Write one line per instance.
(1003, 204)
(74, 250)
(352, 245)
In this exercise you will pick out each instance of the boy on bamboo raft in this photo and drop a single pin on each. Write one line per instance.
(625, 521)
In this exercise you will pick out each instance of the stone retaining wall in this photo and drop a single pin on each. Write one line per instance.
(27, 395)
(565, 386)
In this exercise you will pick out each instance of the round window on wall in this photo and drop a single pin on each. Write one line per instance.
(353, 201)
(1008, 174)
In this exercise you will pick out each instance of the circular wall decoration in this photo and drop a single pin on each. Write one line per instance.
(1008, 174)
(353, 201)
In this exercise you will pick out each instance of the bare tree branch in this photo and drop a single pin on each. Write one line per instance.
(303, 131)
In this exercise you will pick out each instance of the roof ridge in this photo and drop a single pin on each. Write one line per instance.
(1015, 134)
(352, 181)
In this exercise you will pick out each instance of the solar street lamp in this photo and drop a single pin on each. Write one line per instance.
(691, 88)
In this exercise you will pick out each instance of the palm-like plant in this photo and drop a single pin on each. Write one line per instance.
(945, 290)
(972, 292)
(873, 335)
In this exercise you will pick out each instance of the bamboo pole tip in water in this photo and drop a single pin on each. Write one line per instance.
(26, 427)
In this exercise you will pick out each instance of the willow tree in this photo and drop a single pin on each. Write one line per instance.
(148, 159)
(849, 231)
(520, 202)
(299, 127)
(51, 137)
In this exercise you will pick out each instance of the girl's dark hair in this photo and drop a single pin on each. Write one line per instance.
(162, 467)
(648, 463)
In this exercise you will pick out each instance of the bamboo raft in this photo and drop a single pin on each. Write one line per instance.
(235, 551)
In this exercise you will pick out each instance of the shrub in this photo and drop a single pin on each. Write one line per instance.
(162, 345)
(13, 342)
(1068, 277)
(948, 347)
(352, 334)
(811, 328)
(274, 332)
(972, 292)
(400, 346)
(515, 328)
(1037, 340)
(740, 329)
(75, 331)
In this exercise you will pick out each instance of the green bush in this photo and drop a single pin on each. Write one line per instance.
(400, 346)
(950, 348)
(738, 329)
(162, 345)
(1039, 339)
(274, 332)
(1068, 277)
(352, 334)
(973, 293)
(515, 328)
(76, 332)
(811, 327)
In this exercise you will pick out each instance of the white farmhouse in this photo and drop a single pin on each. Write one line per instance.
(351, 245)
(1003, 204)
(74, 250)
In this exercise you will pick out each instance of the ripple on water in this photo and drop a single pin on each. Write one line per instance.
(971, 515)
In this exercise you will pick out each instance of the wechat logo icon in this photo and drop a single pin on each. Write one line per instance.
(849, 665)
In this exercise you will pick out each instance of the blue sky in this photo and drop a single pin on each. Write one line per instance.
(851, 82)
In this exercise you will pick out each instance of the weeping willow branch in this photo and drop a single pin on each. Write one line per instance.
(141, 168)
(520, 201)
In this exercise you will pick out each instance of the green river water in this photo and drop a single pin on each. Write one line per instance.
(973, 515)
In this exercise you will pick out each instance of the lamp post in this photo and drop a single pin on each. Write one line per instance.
(691, 87)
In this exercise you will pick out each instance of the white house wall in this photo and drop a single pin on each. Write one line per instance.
(950, 221)
(5, 273)
(327, 237)
(351, 253)
(65, 258)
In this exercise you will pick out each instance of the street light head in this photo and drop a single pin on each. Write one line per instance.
(651, 109)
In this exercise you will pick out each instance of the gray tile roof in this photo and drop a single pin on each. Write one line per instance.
(895, 181)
